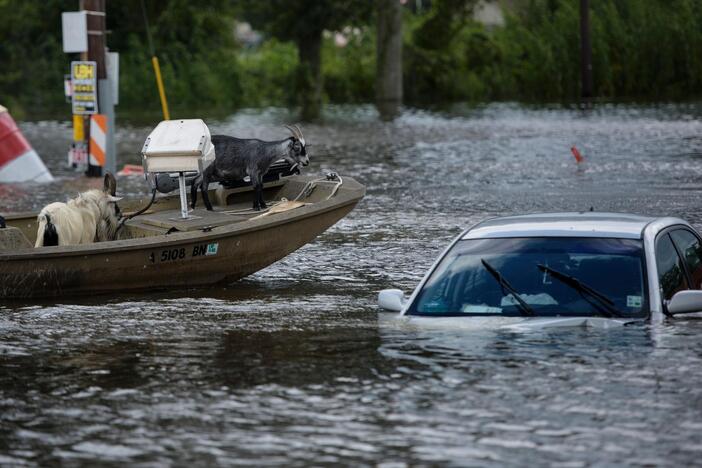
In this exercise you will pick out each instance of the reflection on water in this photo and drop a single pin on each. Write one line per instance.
(295, 358)
(294, 365)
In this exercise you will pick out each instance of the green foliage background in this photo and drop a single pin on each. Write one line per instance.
(642, 49)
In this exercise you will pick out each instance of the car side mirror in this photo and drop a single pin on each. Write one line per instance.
(685, 302)
(391, 299)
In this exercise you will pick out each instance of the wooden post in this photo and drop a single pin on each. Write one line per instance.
(585, 54)
(95, 10)
(388, 81)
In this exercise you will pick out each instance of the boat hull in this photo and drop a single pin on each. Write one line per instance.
(179, 260)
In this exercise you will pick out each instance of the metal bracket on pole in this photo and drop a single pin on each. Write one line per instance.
(183, 200)
(183, 197)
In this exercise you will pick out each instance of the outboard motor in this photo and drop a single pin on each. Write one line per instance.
(177, 146)
(166, 183)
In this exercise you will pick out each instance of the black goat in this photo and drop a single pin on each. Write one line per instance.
(236, 158)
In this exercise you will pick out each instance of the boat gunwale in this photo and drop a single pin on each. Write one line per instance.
(344, 197)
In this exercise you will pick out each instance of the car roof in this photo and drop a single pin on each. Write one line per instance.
(584, 224)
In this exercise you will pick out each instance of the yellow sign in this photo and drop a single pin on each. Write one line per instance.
(83, 78)
(83, 70)
(78, 131)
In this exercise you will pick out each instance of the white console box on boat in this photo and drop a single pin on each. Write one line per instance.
(178, 146)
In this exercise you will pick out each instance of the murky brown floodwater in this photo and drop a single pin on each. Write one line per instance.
(295, 365)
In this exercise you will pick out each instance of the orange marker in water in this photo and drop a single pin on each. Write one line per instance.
(131, 169)
(578, 157)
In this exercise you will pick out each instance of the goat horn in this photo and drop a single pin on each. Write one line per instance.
(292, 130)
(299, 134)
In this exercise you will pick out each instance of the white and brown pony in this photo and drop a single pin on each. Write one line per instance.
(93, 216)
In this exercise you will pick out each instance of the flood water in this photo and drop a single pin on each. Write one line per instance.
(296, 366)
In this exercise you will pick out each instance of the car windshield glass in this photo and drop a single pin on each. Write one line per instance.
(613, 268)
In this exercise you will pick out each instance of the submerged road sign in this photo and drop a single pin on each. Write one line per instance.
(84, 78)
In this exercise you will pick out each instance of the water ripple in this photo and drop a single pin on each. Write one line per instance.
(294, 365)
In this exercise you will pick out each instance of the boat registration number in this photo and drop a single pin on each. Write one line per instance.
(181, 253)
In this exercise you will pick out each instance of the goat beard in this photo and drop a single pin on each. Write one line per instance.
(107, 222)
(107, 229)
(107, 225)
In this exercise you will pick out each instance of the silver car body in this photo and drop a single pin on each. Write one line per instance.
(585, 224)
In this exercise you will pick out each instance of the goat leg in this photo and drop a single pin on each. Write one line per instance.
(204, 185)
(193, 191)
(256, 201)
(254, 184)
(259, 192)
(261, 201)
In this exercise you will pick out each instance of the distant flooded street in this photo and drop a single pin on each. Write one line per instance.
(296, 366)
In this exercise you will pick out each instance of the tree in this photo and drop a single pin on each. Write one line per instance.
(31, 53)
(195, 46)
(303, 22)
(435, 51)
(388, 82)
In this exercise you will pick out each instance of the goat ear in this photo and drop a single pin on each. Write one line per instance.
(114, 199)
(110, 185)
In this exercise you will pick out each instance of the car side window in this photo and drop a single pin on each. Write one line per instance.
(670, 270)
(691, 250)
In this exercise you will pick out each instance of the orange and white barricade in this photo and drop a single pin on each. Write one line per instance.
(98, 139)
(18, 160)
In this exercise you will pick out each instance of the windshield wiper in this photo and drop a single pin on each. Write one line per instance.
(606, 304)
(521, 303)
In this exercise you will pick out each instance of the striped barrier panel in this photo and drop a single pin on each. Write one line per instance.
(98, 139)
(18, 160)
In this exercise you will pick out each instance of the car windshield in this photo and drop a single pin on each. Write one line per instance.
(548, 276)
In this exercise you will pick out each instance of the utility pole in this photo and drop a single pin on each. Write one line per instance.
(585, 54)
(388, 81)
(95, 11)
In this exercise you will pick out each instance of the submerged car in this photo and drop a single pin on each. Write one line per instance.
(562, 269)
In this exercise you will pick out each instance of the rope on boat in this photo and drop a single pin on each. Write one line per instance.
(304, 193)
(338, 185)
(312, 184)
(127, 218)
